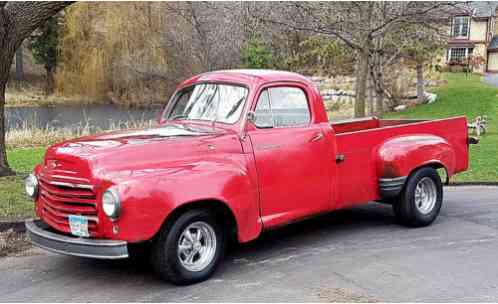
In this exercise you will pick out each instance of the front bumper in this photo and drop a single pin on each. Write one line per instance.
(40, 235)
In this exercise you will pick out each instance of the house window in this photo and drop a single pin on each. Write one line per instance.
(461, 27)
(459, 54)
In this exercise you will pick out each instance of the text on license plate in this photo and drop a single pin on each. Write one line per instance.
(78, 225)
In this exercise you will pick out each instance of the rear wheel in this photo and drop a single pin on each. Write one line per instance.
(421, 199)
(189, 249)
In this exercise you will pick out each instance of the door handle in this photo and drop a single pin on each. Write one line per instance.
(317, 137)
(339, 158)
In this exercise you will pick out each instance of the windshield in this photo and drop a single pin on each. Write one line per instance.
(209, 101)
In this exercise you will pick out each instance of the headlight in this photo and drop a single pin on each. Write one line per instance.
(111, 203)
(31, 185)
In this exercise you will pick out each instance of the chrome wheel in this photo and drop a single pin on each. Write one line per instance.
(425, 195)
(197, 246)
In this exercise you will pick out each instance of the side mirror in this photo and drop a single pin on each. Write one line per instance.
(261, 121)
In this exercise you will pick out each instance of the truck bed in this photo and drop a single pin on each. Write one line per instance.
(369, 123)
(359, 140)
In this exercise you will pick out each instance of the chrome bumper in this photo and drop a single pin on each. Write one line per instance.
(39, 234)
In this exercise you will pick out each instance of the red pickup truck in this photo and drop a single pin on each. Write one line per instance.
(235, 153)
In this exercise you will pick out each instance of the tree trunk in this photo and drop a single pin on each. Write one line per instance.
(420, 82)
(364, 65)
(361, 84)
(17, 21)
(379, 101)
(4, 165)
(371, 109)
(379, 108)
(6, 57)
(377, 76)
(19, 64)
(50, 84)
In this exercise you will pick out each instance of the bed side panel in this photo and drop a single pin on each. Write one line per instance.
(358, 175)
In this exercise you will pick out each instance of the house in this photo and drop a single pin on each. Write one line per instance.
(474, 32)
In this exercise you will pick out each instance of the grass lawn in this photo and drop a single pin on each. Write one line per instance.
(467, 96)
(14, 204)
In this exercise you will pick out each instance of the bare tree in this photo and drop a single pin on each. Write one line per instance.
(423, 45)
(363, 26)
(17, 21)
(215, 32)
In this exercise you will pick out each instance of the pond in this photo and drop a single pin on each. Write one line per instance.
(75, 117)
(94, 117)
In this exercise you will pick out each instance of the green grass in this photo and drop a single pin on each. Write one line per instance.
(467, 96)
(14, 204)
(23, 160)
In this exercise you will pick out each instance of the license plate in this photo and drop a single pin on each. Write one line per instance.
(78, 225)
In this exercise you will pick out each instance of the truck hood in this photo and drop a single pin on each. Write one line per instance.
(124, 153)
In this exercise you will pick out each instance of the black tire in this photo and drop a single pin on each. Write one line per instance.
(406, 210)
(165, 258)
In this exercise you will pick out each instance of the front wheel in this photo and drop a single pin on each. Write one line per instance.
(421, 198)
(189, 250)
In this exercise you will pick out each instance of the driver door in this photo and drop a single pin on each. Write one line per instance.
(292, 156)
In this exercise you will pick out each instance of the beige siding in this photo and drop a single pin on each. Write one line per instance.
(493, 62)
(480, 50)
(478, 30)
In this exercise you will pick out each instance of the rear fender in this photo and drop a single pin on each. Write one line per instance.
(398, 157)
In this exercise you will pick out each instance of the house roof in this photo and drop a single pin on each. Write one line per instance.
(484, 8)
(478, 9)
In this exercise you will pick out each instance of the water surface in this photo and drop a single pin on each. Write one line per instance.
(94, 116)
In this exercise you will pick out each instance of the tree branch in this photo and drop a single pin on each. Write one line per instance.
(28, 16)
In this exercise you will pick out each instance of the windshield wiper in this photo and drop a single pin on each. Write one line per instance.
(235, 107)
(180, 116)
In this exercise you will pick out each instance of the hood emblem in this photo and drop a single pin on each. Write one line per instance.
(53, 164)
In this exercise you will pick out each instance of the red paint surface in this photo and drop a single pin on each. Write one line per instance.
(266, 177)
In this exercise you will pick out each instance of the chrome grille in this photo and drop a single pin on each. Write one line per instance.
(61, 196)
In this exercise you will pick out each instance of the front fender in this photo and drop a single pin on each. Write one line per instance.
(147, 201)
(398, 157)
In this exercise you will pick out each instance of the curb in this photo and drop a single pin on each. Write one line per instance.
(460, 184)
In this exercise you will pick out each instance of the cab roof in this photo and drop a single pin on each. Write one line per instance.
(247, 76)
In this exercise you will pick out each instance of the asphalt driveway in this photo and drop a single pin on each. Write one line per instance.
(353, 255)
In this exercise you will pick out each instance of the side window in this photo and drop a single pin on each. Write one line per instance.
(264, 118)
(289, 107)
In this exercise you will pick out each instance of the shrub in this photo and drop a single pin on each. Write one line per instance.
(256, 55)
